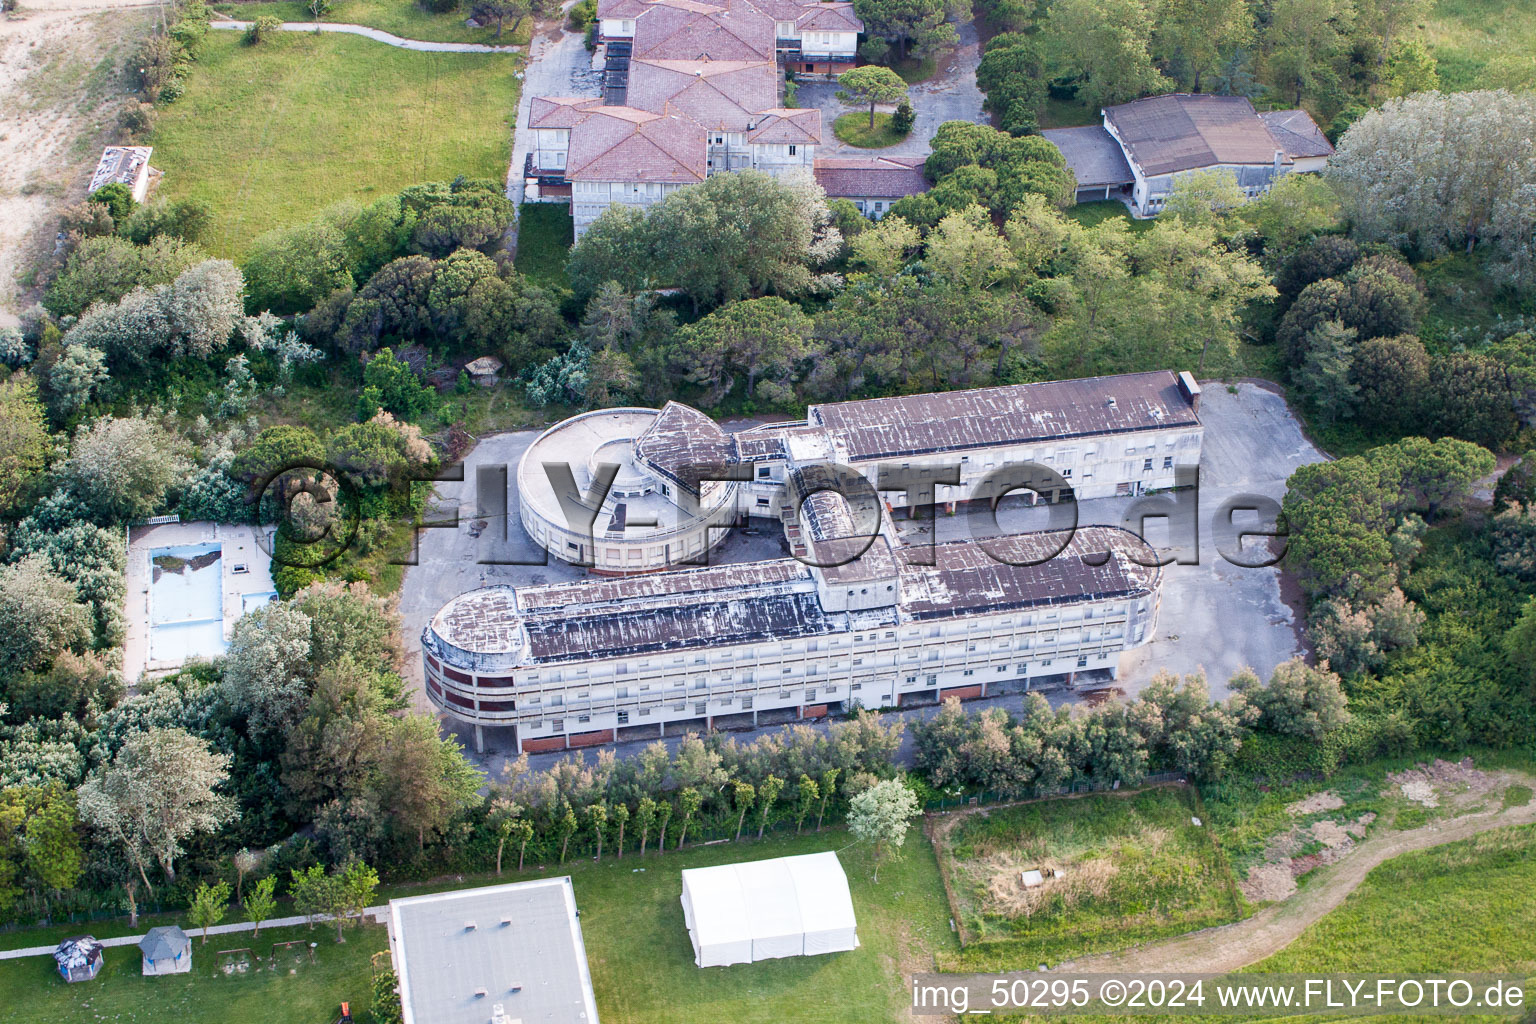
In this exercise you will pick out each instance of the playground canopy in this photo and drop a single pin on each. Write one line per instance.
(766, 909)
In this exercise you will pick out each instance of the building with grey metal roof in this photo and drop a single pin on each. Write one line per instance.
(641, 496)
(1143, 145)
(503, 954)
(1095, 158)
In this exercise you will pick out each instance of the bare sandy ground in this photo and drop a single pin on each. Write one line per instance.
(60, 90)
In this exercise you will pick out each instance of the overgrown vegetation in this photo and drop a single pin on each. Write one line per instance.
(1116, 870)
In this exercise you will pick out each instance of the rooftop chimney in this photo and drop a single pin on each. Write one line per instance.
(1189, 389)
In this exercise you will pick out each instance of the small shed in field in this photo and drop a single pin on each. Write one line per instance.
(78, 958)
(166, 950)
(483, 371)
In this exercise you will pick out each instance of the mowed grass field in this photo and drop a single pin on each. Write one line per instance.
(637, 947)
(269, 135)
(1483, 44)
(1131, 868)
(295, 991)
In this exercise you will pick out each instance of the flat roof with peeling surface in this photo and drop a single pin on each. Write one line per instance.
(883, 428)
(776, 600)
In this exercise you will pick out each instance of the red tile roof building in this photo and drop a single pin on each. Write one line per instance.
(690, 89)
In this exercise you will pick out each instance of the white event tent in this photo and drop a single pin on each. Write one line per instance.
(765, 909)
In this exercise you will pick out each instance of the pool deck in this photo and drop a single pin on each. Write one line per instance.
(240, 548)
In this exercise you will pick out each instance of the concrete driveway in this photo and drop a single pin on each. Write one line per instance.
(558, 65)
(950, 95)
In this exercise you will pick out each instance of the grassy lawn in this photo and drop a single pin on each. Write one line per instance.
(1131, 868)
(1092, 214)
(268, 135)
(854, 129)
(642, 962)
(294, 990)
(637, 946)
(403, 18)
(1483, 44)
(1061, 113)
(544, 236)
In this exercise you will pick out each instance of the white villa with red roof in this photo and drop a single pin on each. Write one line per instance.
(690, 89)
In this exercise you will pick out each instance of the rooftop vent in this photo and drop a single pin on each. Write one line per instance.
(469, 926)
(506, 922)
(480, 993)
(1112, 402)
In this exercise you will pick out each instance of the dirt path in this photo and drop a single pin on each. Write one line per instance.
(1237, 945)
(377, 35)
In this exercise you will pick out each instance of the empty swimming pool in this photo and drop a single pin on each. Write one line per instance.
(186, 602)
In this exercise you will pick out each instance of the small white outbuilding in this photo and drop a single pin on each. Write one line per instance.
(766, 909)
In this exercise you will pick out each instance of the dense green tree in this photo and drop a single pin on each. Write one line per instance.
(378, 451)
(1299, 700)
(121, 468)
(1470, 397)
(107, 268)
(41, 616)
(1392, 378)
(762, 339)
(1022, 165)
(1306, 39)
(1204, 197)
(333, 751)
(1192, 37)
(24, 440)
(425, 780)
(1012, 75)
(186, 219)
(870, 85)
(919, 25)
(1444, 171)
(395, 387)
(1103, 46)
(117, 198)
(1324, 376)
(471, 213)
(289, 270)
(159, 790)
(394, 301)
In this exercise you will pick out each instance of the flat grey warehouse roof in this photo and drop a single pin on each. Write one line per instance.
(883, 428)
(462, 955)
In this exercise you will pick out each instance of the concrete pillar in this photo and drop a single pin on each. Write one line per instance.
(517, 739)
(479, 739)
(799, 710)
(754, 718)
(709, 723)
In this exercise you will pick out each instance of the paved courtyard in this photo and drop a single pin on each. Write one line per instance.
(950, 95)
(1216, 616)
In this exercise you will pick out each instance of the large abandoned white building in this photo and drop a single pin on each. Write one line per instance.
(855, 616)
